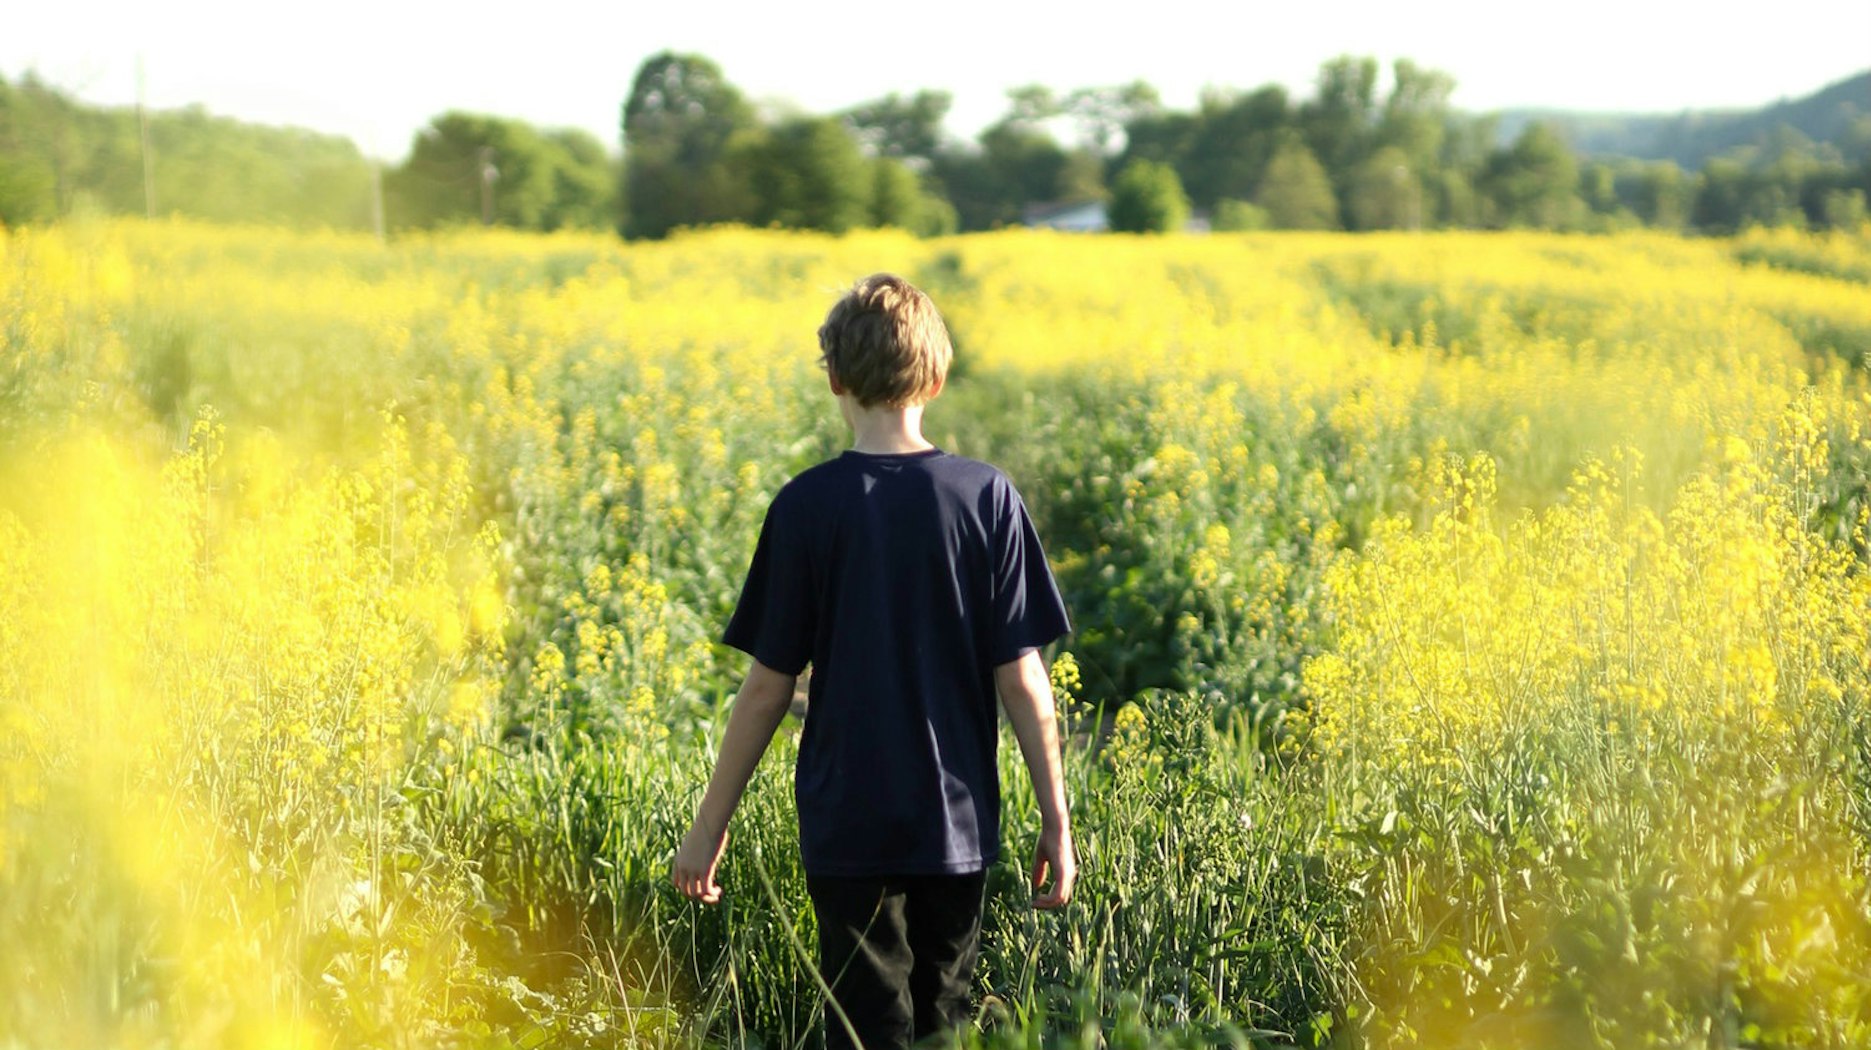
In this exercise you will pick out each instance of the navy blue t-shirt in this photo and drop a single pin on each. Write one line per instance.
(904, 579)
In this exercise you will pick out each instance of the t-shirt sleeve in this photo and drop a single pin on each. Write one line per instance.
(774, 620)
(1027, 610)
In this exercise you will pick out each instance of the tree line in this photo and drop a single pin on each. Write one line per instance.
(60, 157)
(696, 151)
(1349, 157)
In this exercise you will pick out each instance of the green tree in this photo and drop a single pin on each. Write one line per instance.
(685, 131)
(30, 127)
(1454, 184)
(1295, 192)
(1102, 113)
(1016, 165)
(1534, 182)
(810, 174)
(1723, 196)
(896, 196)
(1416, 115)
(1232, 216)
(906, 128)
(899, 198)
(1234, 140)
(466, 167)
(27, 192)
(1386, 193)
(1340, 120)
(1032, 105)
(964, 179)
(57, 156)
(1081, 177)
(1165, 136)
(1598, 187)
(1656, 192)
(1026, 160)
(584, 182)
(1845, 209)
(1015, 162)
(1451, 198)
(1147, 197)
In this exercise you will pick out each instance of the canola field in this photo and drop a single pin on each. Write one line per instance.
(1470, 636)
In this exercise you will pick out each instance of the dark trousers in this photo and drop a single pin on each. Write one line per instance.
(899, 953)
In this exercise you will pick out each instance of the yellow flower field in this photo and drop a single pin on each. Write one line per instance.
(1469, 650)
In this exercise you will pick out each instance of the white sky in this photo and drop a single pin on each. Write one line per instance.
(378, 71)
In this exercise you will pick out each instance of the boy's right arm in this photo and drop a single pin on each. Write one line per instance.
(763, 700)
(1026, 695)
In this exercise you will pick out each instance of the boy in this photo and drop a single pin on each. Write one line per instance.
(913, 583)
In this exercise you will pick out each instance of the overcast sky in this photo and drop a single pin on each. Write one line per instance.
(377, 71)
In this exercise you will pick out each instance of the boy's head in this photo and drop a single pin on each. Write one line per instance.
(884, 343)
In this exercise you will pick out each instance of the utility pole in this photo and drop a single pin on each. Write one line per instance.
(149, 160)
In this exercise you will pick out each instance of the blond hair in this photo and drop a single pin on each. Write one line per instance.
(884, 343)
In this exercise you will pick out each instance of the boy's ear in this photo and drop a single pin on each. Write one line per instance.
(838, 389)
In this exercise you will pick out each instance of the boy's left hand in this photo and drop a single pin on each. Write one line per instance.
(693, 871)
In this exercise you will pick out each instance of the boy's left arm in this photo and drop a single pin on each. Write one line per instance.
(762, 702)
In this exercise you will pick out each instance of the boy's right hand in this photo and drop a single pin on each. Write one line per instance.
(693, 871)
(1054, 855)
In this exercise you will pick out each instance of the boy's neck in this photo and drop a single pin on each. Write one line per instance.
(881, 429)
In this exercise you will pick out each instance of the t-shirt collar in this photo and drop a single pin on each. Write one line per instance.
(918, 454)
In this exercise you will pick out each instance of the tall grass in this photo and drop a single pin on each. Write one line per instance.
(1469, 640)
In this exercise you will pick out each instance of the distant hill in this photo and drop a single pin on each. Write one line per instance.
(1839, 114)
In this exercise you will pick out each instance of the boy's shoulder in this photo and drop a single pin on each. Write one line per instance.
(951, 474)
(936, 462)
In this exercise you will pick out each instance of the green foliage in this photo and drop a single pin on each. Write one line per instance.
(895, 126)
(27, 190)
(1223, 150)
(1788, 181)
(1416, 114)
(1453, 199)
(685, 128)
(1598, 187)
(467, 168)
(1081, 178)
(1023, 162)
(1102, 113)
(1295, 192)
(898, 198)
(1386, 193)
(1339, 120)
(1165, 136)
(808, 174)
(693, 142)
(585, 182)
(1729, 196)
(1657, 192)
(1147, 198)
(33, 143)
(1534, 183)
(1845, 209)
(58, 156)
(1232, 216)
(1209, 896)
